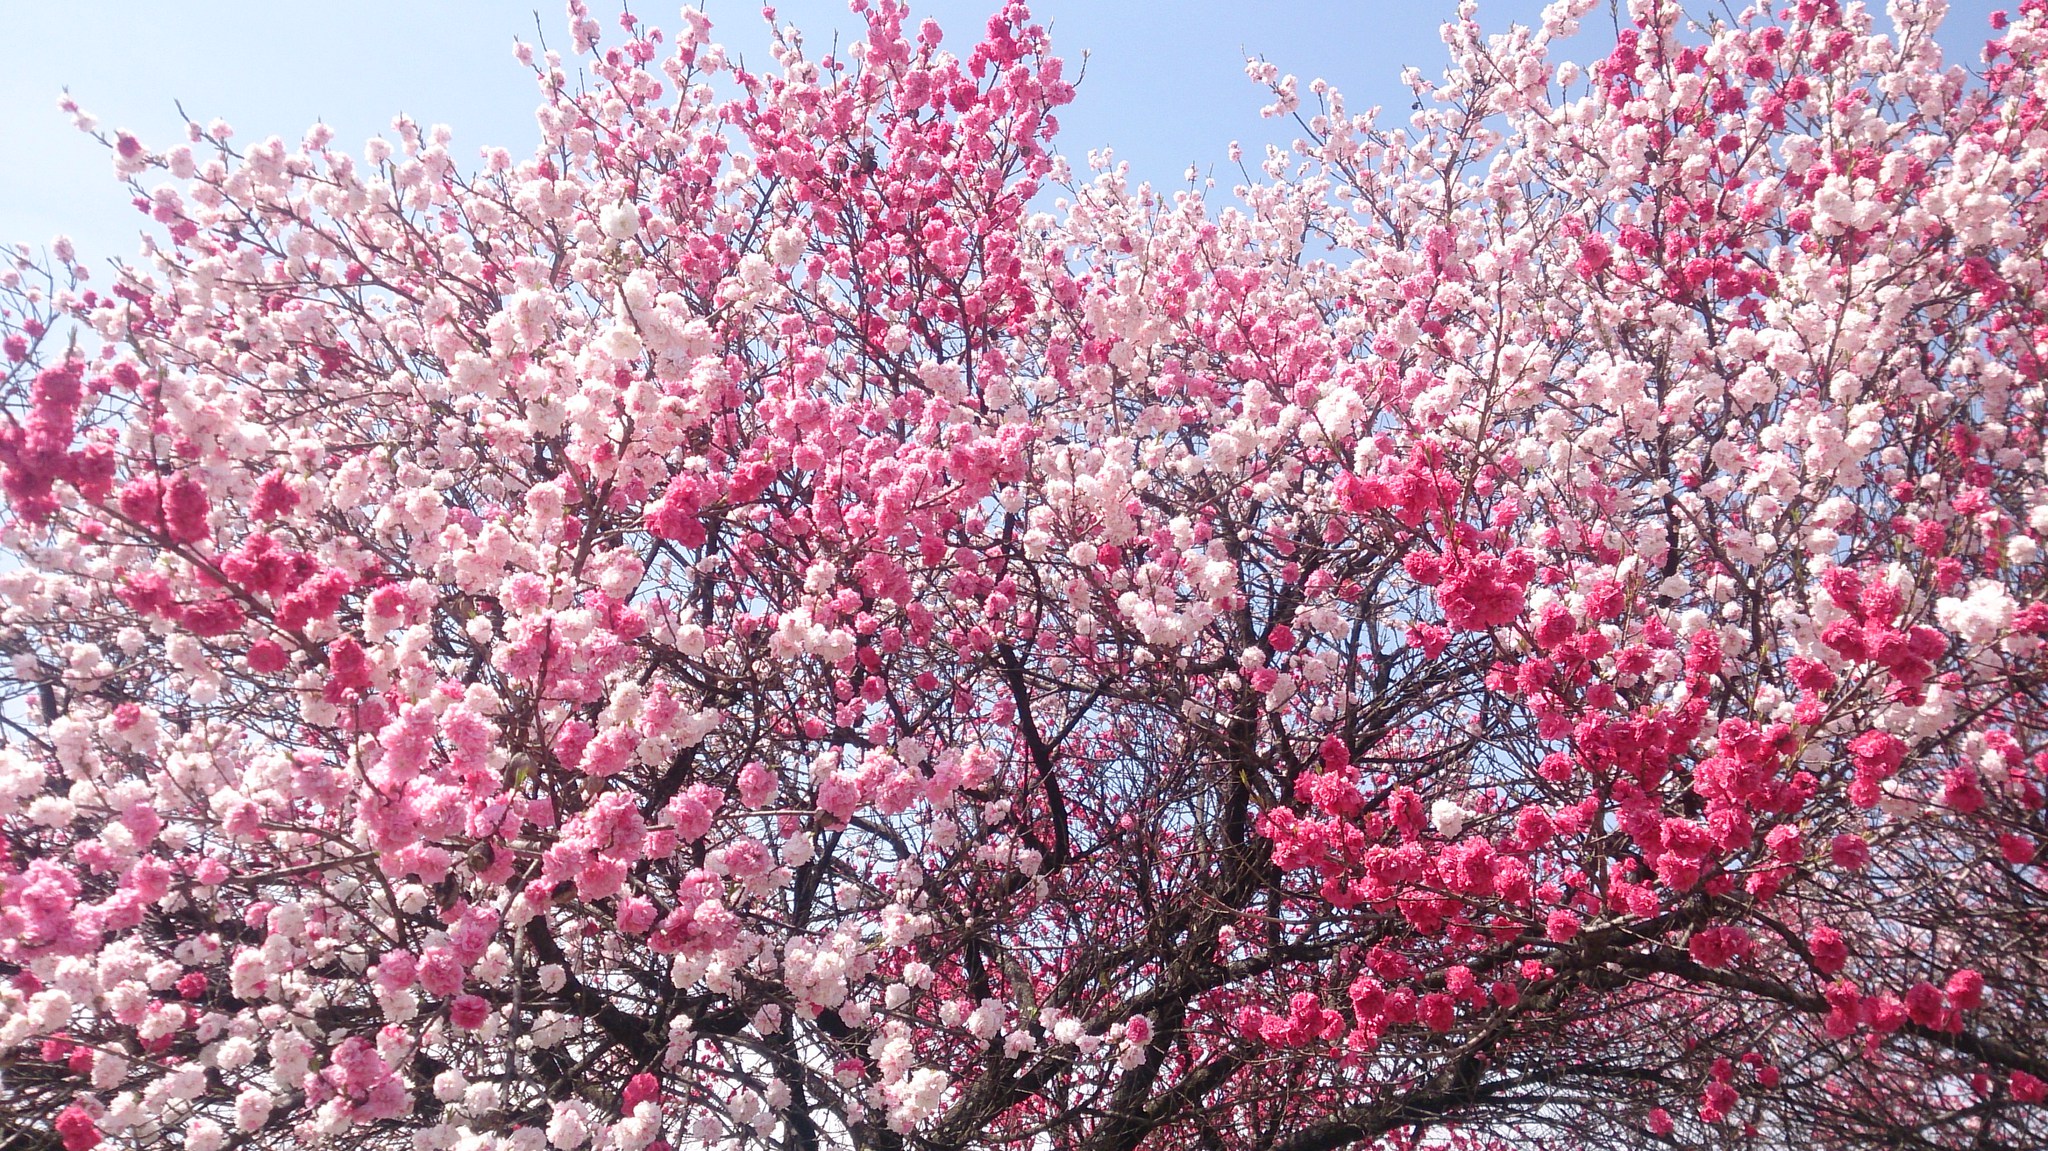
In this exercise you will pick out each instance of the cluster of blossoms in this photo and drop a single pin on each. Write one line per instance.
(793, 618)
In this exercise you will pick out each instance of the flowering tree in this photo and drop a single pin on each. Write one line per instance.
(1522, 630)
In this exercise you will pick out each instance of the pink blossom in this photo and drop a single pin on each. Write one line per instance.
(77, 1129)
(468, 1011)
(1830, 953)
(1561, 926)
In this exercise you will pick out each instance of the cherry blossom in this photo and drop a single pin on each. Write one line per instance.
(797, 616)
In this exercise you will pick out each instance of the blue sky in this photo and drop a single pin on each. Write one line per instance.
(1164, 83)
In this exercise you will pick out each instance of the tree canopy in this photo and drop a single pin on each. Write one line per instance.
(794, 618)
